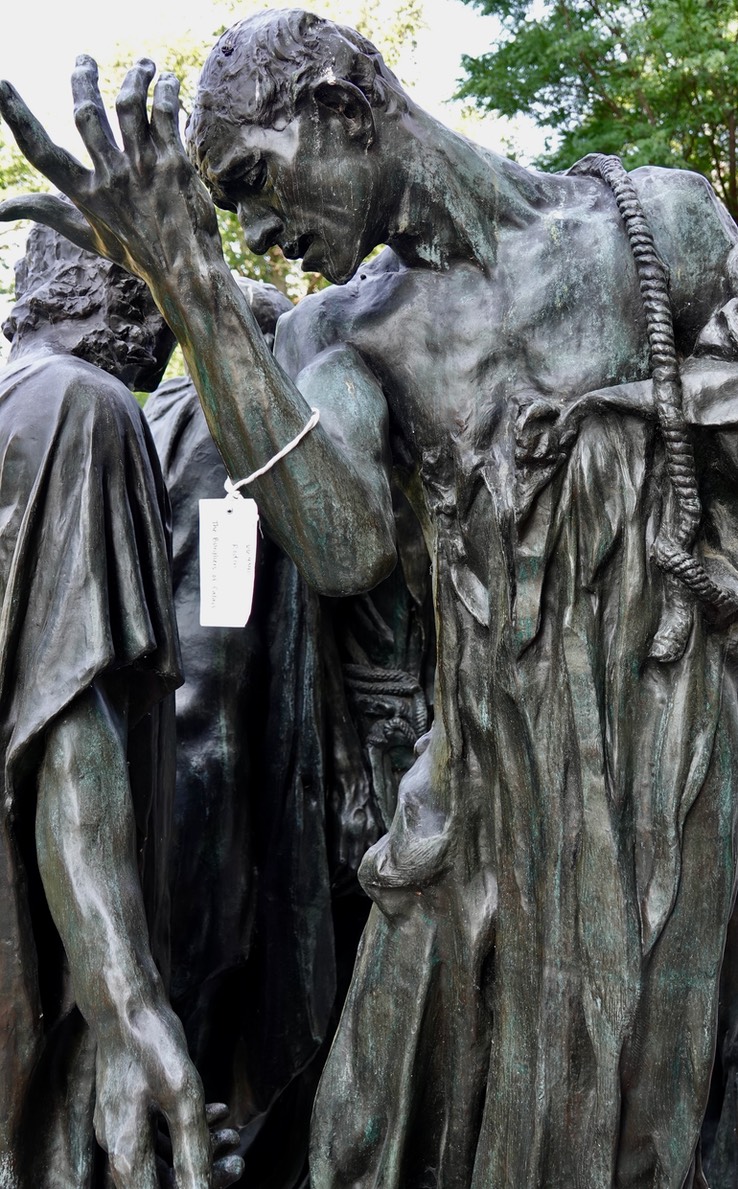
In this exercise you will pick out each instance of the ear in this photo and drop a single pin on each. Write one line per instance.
(351, 106)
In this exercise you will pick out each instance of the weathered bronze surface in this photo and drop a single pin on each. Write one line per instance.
(89, 655)
(290, 736)
(549, 365)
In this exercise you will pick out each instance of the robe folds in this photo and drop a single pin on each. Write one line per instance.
(85, 590)
(535, 998)
(252, 929)
(275, 766)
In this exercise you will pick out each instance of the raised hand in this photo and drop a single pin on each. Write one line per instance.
(140, 205)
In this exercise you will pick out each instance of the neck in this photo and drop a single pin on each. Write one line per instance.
(46, 338)
(454, 197)
(27, 345)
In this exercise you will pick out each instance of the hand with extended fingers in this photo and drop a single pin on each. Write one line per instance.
(140, 205)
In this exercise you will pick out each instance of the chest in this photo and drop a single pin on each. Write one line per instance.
(558, 314)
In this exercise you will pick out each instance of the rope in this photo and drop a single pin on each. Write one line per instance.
(234, 488)
(672, 549)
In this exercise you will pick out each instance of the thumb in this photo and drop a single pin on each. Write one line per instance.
(53, 212)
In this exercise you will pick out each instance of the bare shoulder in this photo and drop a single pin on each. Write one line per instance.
(339, 314)
(696, 238)
(685, 206)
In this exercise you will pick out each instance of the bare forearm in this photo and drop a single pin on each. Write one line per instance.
(335, 522)
(709, 387)
(328, 502)
(85, 839)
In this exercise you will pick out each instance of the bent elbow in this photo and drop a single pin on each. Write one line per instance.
(380, 567)
(357, 572)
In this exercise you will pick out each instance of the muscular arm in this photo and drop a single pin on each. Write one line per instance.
(85, 839)
(328, 503)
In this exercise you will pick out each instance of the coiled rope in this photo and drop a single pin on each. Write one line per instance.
(672, 549)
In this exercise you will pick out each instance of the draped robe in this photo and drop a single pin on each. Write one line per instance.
(85, 590)
(535, 998)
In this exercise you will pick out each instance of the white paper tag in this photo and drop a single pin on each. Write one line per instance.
(227, 561)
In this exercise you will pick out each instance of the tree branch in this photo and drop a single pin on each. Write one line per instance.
(594, 74)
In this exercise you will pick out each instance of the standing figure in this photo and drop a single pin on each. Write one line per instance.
(535, 999)
(89, 654)
(289, 732)
(253, 965)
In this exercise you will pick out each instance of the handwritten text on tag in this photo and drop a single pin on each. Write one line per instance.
(227, 561)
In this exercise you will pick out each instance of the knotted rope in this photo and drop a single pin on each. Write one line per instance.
(672, 549)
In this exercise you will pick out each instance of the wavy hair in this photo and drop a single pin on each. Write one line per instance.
(260, 69)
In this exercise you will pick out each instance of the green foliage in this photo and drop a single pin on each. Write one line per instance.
(393, 27)
(17, 176)
(654, 81)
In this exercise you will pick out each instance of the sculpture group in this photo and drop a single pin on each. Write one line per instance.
(530, 396)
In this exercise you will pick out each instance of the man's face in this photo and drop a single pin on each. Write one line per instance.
(307, 187)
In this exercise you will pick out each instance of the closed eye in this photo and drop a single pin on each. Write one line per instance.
(255, 178)
(250, 176)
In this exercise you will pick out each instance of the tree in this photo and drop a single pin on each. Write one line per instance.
(655, 81)
(17, 176)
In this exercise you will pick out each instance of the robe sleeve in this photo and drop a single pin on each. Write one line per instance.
(84, 554)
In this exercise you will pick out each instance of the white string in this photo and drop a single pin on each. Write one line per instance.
(233, 488)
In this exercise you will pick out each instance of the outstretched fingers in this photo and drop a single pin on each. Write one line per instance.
(131, 108)
(62, 169)
(90, 115)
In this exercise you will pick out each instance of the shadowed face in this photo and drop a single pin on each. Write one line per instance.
(309, 187)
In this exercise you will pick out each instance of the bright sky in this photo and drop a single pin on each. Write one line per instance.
(40, 39)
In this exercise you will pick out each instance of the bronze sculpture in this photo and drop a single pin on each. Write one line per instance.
(89, 653)
(529, 1006)
(290, 734)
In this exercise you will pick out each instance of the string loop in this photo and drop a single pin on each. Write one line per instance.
(233, 489)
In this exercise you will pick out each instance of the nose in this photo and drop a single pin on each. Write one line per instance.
(261, 229)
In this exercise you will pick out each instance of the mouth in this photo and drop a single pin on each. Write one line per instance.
(296, 248)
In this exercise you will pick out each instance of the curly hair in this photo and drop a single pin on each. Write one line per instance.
(58, 282)
(260, 69)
